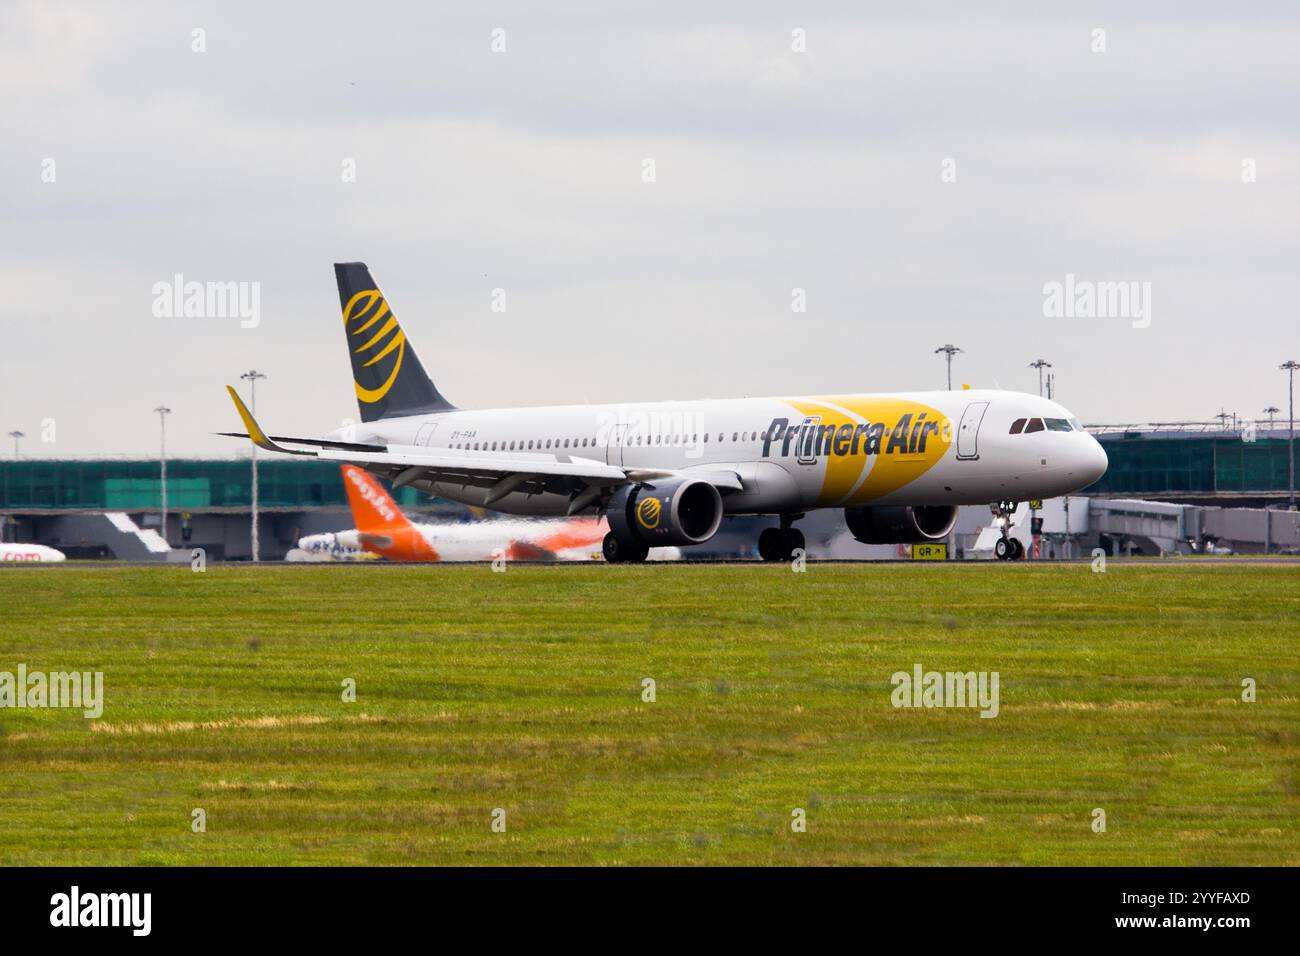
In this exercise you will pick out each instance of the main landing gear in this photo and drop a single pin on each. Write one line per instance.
(621, 552)
(780, 544)
(1007, 548)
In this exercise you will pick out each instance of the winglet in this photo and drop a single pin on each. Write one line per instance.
(254, 430)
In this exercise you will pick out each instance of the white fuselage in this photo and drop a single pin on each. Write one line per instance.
(471, 541)
(18, 553)
(791, 454)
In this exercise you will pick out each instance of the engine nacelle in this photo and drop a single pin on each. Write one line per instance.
(903, 524)
(670, 511)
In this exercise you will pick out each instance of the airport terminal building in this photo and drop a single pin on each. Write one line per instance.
(1195, 462)
(112, 507)
(1168, 486)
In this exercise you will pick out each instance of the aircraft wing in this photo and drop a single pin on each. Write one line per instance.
(446, 460)
(585, 480)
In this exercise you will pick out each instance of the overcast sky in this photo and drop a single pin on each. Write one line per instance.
(523, 170)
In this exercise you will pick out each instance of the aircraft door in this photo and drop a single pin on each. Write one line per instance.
(425, 435)
(614, 445)
(969, 430)
(806, 450)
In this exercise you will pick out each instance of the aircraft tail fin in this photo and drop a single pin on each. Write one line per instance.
(373, 509)
(381, 526)
(386, 372)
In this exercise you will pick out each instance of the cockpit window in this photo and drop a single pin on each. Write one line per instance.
(1075, 423)
(1058, 425)
(1017, 426)
(1034, 425)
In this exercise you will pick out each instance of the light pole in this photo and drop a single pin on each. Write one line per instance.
(16, 435)
(163, 411)
(949, 350)
(252, 375)
(1289, 367)
(1040, 364)
(1270, 412)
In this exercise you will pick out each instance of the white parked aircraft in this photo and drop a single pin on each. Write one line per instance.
(665, 473)
(29, 552)
(382, 531)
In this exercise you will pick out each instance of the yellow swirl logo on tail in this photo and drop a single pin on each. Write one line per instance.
(368, 308)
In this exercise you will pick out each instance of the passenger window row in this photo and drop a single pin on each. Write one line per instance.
(537, 444)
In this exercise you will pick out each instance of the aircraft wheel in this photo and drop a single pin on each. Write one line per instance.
(770, 544)
(618, 552)
(1017, 549)
(792, 541)
(1002, 549)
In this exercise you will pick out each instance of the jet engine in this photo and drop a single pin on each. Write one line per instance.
(670, 511)
(903, 524)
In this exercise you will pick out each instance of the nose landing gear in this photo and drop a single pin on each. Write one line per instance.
(1007, 548)
(780, 544)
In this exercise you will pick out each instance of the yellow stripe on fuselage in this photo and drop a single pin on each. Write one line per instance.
(854, 477)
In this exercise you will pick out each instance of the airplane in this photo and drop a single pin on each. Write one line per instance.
(30, 552)
(382, 531)
(666, 473)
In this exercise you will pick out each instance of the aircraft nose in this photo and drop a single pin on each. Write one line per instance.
(1095, 461)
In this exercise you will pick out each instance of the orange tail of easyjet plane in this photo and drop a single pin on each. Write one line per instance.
(381, 526)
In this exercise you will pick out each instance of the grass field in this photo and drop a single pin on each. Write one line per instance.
(522, 690)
